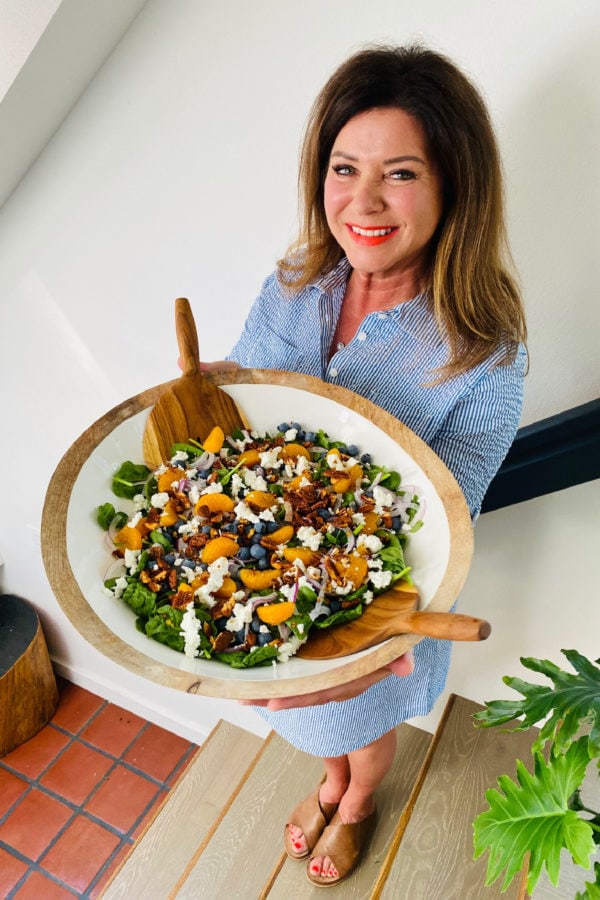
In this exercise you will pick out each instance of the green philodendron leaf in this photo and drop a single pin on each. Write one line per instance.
(592, 888)
(532, 816)
(573, 699)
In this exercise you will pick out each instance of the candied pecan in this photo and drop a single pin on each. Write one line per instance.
(222, 608)
(181, 599)
(222, 640)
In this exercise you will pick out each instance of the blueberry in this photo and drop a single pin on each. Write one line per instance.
(257, 551)
(396, 523)
(334, 605)
(240, 636)
(205, 529)
(296, 426)
(188, 564)
(272, 526)
(263, 563)
(170, 558)
(244, 553)
(352, 450)
(324, 513)
(284, 426)
(255, 625)
(259, 527)
(221, 623)
(264, 638)
(366, 458)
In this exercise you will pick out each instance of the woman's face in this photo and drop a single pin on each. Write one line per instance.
(383, 193)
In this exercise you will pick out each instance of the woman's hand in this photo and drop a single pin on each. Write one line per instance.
(401, 666)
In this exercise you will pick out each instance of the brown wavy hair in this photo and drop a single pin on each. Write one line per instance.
(472, 284)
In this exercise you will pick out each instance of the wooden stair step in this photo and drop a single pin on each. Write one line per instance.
(433, 857)
(185, 821)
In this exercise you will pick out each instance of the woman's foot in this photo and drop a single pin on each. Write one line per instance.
(338, 850)
(349, 814)
(308, 821)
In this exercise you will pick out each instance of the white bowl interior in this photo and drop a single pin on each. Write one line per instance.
(266, 405)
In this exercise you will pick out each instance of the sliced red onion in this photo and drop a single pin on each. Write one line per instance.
(204, 461)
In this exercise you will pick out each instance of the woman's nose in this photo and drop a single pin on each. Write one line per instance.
(369, 197)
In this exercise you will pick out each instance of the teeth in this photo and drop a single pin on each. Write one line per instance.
(371, 232)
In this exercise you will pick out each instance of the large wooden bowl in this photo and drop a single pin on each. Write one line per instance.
(77, 557)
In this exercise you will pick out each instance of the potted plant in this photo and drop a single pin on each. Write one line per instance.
(541, 812)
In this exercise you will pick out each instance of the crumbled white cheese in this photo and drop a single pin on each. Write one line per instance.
(344, 588)
(194, 494)
(368, 597)
(217, 572)
(291, 434)
(359, 518)
(254, 480)
(335, 462)
(191, 526)
(287, 649)
(190, 631)
(269, 459)
(133, 522)
(237, 484)
(131, 559)
(242, 615)
(380, 578)
(370, 542)
(159, 500)
(140, 502)
(179, 456)
(383, 499)
(215, 488)
(243, 511)
(309, 537)
(120, 585)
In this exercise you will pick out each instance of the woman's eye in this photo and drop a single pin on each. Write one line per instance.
(343, 169)
(401, 175)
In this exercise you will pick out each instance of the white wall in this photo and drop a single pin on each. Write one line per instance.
(175, 174)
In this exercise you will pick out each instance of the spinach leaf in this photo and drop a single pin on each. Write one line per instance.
(139, 598)
(129, 479)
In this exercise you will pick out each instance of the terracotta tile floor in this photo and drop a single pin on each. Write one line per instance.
(75, 797)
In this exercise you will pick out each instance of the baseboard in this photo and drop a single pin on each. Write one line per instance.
(132, 702)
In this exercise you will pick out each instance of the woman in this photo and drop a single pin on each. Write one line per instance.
(398, 289)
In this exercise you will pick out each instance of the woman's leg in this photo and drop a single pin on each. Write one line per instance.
(332, 790)
(368, 767)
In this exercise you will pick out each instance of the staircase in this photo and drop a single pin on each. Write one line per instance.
(219, 834)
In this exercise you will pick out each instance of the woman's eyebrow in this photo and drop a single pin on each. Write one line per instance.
(386, 162)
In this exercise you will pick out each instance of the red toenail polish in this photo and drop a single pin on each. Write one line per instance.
(297, 845)
(315, 868)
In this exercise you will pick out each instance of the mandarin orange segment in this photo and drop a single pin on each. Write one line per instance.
(282, 535)
(258, 579)
(293, 451)
(261, 499)
(128, 537)
(215, 502)
(168, 478)
(219, 546)
(169, 515)
(227, 588)
(371, 523)
(304, 554)
(249, 458)
(214, 440)
(276, 613)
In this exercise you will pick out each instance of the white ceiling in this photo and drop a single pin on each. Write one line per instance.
(51, 51)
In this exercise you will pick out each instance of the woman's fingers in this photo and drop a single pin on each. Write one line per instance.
(402, 666)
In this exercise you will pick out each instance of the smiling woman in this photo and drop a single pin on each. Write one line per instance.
(398, 289)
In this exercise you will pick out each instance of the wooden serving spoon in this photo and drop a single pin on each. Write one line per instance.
(390, 614)
(193, 405)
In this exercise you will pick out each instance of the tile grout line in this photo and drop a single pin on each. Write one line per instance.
(125, 838)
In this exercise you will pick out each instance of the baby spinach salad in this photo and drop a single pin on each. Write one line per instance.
(238, 546)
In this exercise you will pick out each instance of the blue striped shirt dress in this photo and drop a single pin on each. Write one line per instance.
(470, 422)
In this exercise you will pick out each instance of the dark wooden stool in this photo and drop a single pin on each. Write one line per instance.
(28, 689)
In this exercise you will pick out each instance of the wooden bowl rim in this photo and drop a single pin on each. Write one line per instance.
(86, 621)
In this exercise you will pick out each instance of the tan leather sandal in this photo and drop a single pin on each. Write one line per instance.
(343, 844)
(312, 816)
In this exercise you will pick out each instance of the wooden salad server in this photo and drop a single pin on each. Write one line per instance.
(391, 614)
(193, 405)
